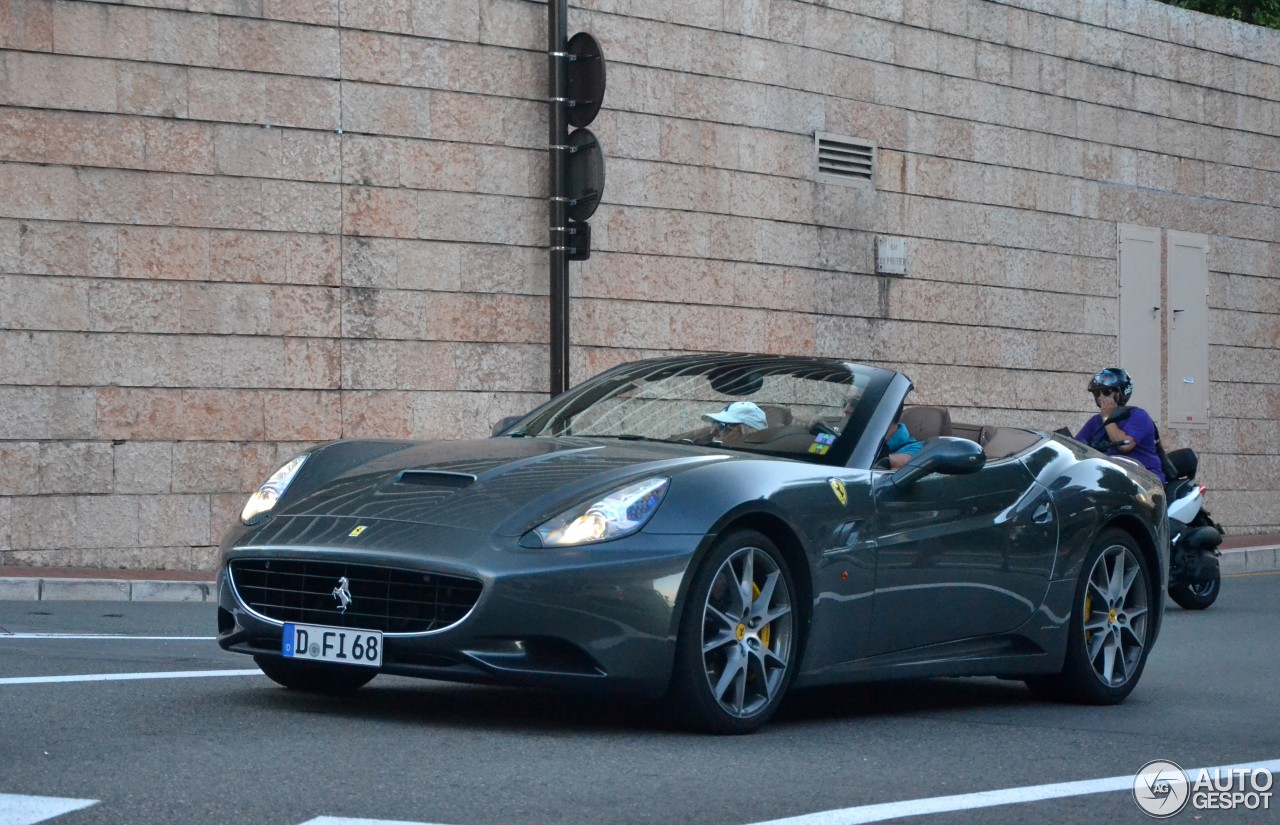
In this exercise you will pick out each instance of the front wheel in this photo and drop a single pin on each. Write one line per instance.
(1110, 628)
(313, 677)
(739, 635)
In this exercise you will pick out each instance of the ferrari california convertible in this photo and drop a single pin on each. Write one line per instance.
(709, 532)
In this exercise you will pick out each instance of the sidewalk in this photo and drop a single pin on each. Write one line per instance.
(85, 585)
(1240, 554)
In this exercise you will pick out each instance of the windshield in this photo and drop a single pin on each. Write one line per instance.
(795, 407)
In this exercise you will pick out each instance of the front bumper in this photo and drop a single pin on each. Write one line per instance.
(602, 617)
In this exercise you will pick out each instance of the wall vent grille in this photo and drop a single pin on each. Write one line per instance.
(846, 161)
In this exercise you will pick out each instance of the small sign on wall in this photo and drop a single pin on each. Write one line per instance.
(891, 256)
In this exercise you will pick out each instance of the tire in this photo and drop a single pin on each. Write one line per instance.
(313, 677)
(1199, 595)
(737, 650)
(1110, 629)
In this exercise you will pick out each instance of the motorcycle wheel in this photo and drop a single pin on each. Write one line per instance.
(1197, 595)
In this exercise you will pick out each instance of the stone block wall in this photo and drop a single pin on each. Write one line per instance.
(1014, 138)
(233, 228)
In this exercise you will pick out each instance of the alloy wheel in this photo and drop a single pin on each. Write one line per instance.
(747, 632)
(1115, 616)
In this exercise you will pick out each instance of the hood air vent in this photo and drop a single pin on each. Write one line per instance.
(436, 478)
(846, 161)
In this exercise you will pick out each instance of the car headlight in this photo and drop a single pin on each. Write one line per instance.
(264, 500)
(616, 514)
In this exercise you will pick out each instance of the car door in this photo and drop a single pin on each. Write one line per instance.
(959, 556)
(836, 515)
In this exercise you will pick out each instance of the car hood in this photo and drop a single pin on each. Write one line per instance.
(503, 484)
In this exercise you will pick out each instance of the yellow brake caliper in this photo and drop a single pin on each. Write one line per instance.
(764, 631)
(1088, 611)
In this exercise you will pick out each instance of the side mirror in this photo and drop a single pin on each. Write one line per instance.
(946, 455)
(505, 424)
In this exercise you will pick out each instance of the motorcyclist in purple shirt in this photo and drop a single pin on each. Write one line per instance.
(1130, 428)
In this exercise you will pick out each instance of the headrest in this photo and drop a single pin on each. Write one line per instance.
(925, 423)
(778, 415)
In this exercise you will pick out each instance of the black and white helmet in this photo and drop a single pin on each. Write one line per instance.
(1115, 379)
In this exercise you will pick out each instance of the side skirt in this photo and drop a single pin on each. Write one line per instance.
(1038, 646)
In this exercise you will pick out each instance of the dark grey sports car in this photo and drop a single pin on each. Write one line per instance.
(711, 530)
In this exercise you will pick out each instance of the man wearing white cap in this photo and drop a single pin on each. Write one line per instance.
(735, 421)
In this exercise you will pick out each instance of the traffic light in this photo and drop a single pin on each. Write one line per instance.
(586, 79)
(576, 81)
(578, 239)
(584, 166)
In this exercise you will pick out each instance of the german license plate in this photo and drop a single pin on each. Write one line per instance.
(340, 645)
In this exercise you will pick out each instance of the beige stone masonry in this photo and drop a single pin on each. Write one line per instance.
(232, 229)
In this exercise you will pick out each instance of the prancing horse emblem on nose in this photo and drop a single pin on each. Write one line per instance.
(343, 594)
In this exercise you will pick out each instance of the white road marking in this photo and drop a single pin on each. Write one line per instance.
(987, 799)
(125, 677)
(82, 636)
(28, 810)
(341, 820)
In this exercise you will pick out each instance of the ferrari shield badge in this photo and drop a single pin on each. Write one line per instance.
(358, 530)
(837, 487)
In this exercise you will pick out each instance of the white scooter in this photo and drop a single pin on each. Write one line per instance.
(1194, 537)
(1194, 576)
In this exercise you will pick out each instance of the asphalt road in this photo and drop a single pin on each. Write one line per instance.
(235, 748)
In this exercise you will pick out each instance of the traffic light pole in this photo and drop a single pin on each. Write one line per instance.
(558, 77)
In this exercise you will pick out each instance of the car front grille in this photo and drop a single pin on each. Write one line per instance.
(389, 599)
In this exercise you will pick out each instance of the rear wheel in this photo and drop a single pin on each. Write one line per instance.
(738, 638)
(313, 677)
(1200, 594)
(1110, 627)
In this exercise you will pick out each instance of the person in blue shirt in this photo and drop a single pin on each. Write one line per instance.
(1131, 429)
(902, 447)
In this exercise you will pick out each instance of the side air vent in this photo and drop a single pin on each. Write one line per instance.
(844, 160)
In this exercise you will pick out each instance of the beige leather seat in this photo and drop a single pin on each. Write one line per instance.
(926, 422)
(777, 415)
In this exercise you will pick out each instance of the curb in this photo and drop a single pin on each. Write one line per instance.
(55, 589)
(1250, 560)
